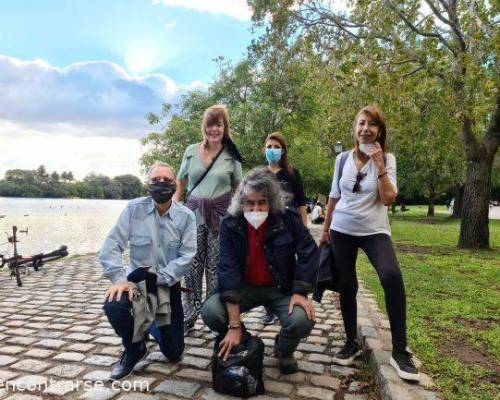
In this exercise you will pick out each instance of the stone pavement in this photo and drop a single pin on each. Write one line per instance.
(56, 343)
(54, 337)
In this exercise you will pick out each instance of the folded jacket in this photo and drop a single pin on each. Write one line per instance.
(150, 302)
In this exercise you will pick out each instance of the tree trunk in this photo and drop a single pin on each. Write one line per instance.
(474, 229)
(430, 209)
(393, 208)
(459, 202)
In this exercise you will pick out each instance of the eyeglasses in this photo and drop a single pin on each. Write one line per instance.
(158, 179)
(357, 185)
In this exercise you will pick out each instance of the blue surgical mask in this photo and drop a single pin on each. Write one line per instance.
(273, 155)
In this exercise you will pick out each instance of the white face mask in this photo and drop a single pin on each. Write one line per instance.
(256, 218)
(366, 148)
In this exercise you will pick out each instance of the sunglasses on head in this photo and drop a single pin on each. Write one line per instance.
(357, 185)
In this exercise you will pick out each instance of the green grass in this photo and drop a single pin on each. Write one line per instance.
(453, 297)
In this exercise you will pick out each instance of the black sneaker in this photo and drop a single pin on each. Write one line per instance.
(127, 362)
(269, 318)
(287, 363)
(404, 366)
(347, 354)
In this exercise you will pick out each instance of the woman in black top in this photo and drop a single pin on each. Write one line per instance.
(277, 158)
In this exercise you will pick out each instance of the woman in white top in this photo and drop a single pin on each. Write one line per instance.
(356, 217)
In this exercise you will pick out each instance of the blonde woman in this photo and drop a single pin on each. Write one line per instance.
(210, 171)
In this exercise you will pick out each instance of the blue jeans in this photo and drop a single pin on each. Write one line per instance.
(293, 327)
(170, 338)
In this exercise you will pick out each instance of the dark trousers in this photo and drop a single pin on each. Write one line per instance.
(294, 326)
(381, 254)
(170, 338)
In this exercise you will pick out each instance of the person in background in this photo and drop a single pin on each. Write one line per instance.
(162, 234)
(357, 218)
(267, 257)
(276, 153)
(317, 214)
(209, 195)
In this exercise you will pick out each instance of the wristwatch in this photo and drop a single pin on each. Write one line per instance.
(234, 325)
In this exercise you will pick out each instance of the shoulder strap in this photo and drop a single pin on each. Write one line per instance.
(343, 159)
(205, 173)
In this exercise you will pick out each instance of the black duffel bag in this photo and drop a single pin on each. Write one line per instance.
(241, 374)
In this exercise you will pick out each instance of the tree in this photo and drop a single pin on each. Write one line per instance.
(101, 187)
(430, 160)
(41, 174)
(113, 190)
(9, 188)
(84, 190)
(54, 176)
(67, 176)
(455, 41)
(131, 186)
(20, 176)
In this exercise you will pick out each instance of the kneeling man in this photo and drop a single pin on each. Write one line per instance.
(162, 236)
(267, 257)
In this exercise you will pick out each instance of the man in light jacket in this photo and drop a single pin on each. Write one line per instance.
(160, 233)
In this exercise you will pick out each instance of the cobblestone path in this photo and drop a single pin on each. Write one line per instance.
(56, 343)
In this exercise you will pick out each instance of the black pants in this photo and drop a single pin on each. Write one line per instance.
(381, 254)
(170, 338)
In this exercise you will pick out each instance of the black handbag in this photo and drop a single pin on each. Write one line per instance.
(327, 273)
(241, 374)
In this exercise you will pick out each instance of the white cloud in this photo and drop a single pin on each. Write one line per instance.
(28, 148)
(97, 98)
(171, 24)
(238, 9)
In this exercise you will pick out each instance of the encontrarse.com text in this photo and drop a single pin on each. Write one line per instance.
(127, 386)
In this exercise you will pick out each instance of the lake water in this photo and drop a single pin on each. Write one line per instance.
(82, 225)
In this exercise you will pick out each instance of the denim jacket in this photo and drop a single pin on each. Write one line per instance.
(166, 242)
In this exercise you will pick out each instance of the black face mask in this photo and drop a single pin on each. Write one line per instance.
(161, 192)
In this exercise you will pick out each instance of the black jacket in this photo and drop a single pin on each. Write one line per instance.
(291, 252)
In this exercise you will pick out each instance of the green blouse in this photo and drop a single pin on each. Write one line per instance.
(225, 173)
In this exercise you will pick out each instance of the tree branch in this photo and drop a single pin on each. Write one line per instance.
(413, 72)
(311, 14)
(420, 32)
(455, 25)
(437, 12)
(407, 61)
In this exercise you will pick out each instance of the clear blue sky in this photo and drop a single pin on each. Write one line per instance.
(77, 77)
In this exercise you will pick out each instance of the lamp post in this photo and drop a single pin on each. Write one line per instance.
(338, 148)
